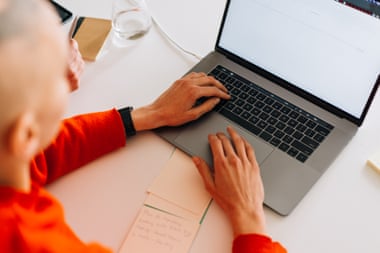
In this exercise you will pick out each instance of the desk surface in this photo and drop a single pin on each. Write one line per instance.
(101, 200)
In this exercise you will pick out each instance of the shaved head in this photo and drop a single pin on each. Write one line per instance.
(33, 57)
(15, 18)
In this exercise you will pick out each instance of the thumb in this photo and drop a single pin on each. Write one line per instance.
(204, 170)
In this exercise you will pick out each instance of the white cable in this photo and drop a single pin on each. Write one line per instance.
(167, 36)
(198, 57)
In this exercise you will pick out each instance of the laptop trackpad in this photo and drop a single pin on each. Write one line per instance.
(194, 138)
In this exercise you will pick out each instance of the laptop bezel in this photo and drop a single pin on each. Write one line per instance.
(289, 86)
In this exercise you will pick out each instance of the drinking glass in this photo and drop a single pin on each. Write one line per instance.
(130, 21)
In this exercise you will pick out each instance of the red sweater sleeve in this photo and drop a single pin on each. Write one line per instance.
(256, 243)
(81, 139)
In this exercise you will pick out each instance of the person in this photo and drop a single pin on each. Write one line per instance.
(37, 147)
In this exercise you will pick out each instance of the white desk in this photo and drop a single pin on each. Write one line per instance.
(101, 200)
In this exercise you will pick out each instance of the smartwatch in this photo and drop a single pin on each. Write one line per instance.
(125, 114)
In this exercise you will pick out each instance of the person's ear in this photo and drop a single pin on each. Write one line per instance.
(23, 139)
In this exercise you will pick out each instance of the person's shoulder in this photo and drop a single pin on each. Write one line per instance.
(8, 212)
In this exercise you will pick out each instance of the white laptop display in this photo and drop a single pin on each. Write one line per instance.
(302, 74)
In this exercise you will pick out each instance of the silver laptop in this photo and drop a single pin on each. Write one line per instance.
(302, 75)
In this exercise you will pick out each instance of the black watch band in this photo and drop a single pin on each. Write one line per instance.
(125, 114)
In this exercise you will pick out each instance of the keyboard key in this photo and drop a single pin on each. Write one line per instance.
(253, 92)
(237, 110)
(259, 104)
(309, 132)
(243, 96)
(292, 123)
(247, 107)
(222, 76)
(284, 118)
(275, 113)
(235, 92)
(230, 106)
(245, 115)
(292, 152)
(238, 84)
(255, 111)
(250, 127)
(287, 139)
(279, 134)
(280, 125)
(239, 102)
(253, 119)
(302, 119)
(301, 157)
(229, 87)
(319, 138)
(230, 80)
(261, 96)
(311, 143)
(270, 129)
(275, 142)
(244, 88)
(285, 110)
(269, 101)
(293, 114)
(251, 100)
(284, 147)
(311, 124)
(277, 105)
(297, 135)
(265, 136)
(232, 99)
(322, 131)
(302, 147)
(289, 130)
(264, 116)
(301, 128)
(262, 124)
(267, 109)
(272, 121)
(215, 72)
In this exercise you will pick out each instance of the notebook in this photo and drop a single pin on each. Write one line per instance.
(302, 75)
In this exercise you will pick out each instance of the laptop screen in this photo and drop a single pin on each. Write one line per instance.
(322, 47)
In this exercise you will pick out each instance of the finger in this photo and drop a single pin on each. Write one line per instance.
(209, 80)
(216, 147)
(204, 107)
(204, 171)
(74, 44)
(227, 145)
(195, 75)
(250, 152)
(211, 91)
(238, 143)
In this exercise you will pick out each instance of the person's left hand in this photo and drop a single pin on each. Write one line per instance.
(176, 105)
(236, 184)
(75, 65)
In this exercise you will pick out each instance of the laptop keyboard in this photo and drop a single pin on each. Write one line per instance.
(276, 121)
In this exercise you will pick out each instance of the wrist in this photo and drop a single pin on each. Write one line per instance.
(146, 118)
(248, 222)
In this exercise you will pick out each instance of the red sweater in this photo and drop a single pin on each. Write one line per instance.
(34, 221)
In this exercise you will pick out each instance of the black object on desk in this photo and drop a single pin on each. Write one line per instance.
(64, 13)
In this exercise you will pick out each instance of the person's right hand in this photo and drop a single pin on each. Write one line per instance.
(236, 184)
(177, 105)
(75, 65)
